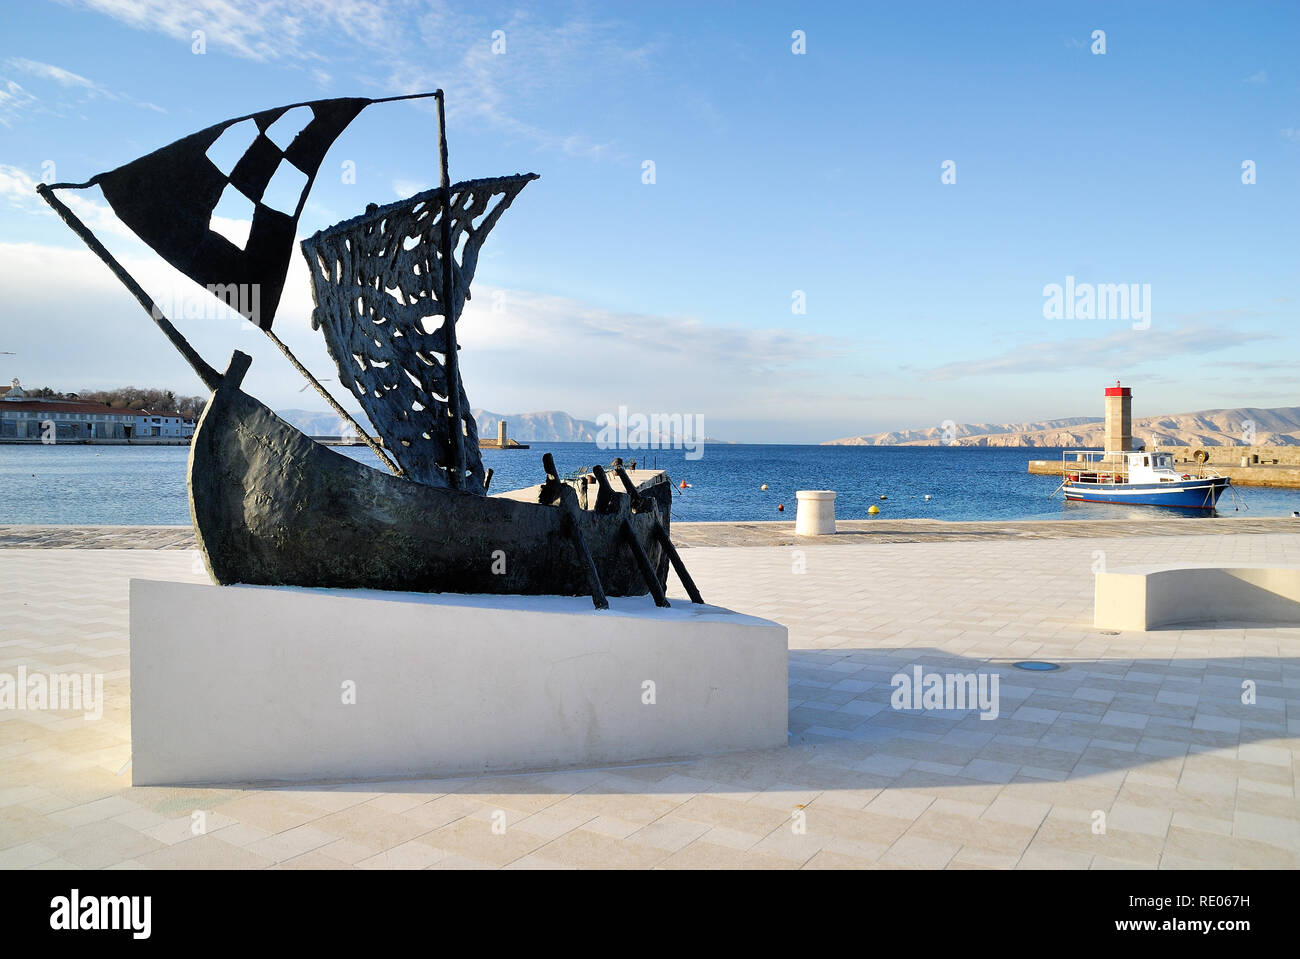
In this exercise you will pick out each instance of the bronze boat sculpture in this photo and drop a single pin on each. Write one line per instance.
(270, 506)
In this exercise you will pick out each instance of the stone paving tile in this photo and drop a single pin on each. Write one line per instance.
(586, 849)
(476, 840)
(1147, 729)
(969, 857)
(204, 852)
(270, 811)
(704, 855)
(371, 828)
(669, 833)
(918, 852)
(313, 860)
(986, 834)
(827, 859)
(289, 844)
(28, 854)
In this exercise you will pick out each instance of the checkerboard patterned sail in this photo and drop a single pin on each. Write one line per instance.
(378, 285)
(169, 197)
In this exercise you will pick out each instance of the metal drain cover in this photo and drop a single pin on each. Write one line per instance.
(1036, 666)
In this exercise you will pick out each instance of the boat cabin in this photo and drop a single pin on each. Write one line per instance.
(1091, 466)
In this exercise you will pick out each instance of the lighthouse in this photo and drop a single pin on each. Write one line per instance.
(1119, 419)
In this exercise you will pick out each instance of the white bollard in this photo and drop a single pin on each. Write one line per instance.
(816, 513)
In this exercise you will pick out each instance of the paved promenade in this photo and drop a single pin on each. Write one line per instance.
(1138, 753)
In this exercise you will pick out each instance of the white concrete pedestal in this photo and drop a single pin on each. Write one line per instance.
(264, 684)
(816, 514)
(1147, 597)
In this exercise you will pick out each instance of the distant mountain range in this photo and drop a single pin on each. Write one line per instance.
(1273, 427)
(312, 422)
(551, 426)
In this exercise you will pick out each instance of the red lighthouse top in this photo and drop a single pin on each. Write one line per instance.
(1118, 390)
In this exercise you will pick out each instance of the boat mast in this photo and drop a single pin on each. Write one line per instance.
(449, 305)
(344, 415)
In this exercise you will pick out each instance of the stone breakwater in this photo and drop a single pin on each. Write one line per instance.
(1233, 455)
(849, 532)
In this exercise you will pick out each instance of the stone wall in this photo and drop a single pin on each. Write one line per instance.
(1231, 455)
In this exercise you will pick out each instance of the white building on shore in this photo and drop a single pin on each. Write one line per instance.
(170, 424)
(24, 417)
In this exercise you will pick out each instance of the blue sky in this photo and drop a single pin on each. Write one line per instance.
(774, 173)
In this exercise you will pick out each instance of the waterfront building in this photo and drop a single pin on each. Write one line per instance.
(24, 417)
(34, 419)
(164, 424)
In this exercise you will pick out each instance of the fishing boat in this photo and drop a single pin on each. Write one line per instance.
(1139, 478)
(272, 507)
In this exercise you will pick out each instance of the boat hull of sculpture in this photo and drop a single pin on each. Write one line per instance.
(272, 507)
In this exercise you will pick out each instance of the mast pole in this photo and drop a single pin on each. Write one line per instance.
(334, 405)
(449, 304)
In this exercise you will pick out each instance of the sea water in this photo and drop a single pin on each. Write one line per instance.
(145, 485)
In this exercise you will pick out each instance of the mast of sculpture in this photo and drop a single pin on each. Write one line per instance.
(449, 303)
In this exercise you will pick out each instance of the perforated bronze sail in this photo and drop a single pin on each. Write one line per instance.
(378, 282)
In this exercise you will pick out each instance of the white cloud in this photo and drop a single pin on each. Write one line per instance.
(18, 188)
(506, 89)
(1258, 78)
(1117, 350)
(419, 48)
(255, 29)
(68, 80)
(524, 350)
(539, 352)
(404, 188)
(13, 101)
(48, 71)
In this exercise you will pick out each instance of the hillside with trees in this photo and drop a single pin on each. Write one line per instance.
(129, 398)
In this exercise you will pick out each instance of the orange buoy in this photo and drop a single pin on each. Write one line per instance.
(682, 485)
(780, 507)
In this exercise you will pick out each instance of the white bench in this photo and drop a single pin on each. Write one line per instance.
(1146, 597)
